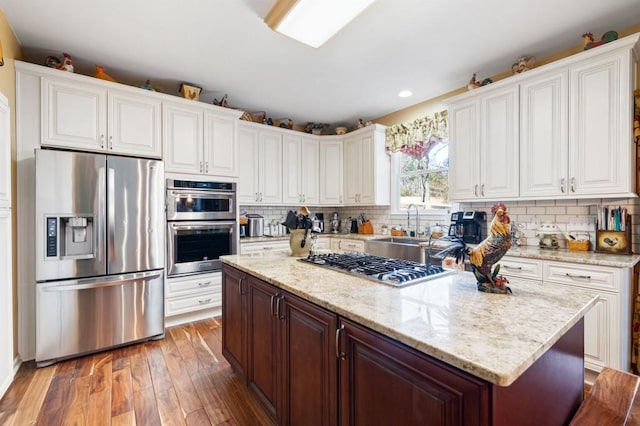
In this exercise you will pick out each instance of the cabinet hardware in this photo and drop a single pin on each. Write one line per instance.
(482, 189)
(278, 304)
(267, 248)
(111, 143)
(584, 277)
(516, 268)
(273, 311)
(340, 355)
(240, 286)
(202, 302)
(260, 197)
(206, 167)
(475, 190)
(201, 167)
(207, 284)
(562, 183)
(573, 184)
(102, 141)
(255, 197)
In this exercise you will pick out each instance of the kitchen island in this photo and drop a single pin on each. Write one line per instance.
(459, 355)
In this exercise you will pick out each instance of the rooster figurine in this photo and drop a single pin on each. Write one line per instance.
(487, 253)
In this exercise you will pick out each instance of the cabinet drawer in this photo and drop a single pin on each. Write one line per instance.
(210, 283)
(193, 302)
(523, 268)
(347, 245)
(276, 246)
(592, 277)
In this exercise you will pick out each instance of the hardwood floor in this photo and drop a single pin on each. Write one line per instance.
(180, 380)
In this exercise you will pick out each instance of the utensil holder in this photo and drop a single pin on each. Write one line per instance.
(294, 243)
(365, 228)
(614, 242)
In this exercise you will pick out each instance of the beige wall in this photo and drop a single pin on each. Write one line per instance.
(11, 50)
(430, 106)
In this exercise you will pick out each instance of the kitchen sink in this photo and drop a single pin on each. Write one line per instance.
(398, 248)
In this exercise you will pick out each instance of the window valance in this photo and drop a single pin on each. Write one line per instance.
(415, 137)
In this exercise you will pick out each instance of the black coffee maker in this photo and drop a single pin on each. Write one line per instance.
(469, 226)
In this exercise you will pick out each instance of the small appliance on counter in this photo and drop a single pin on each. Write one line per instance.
(318, 222)
(469, 226)
(335, 223)
(255, 225)
(548, 235)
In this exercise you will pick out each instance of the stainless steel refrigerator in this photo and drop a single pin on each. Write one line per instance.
(100, 252)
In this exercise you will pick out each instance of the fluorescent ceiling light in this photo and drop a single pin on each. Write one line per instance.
(313, 22)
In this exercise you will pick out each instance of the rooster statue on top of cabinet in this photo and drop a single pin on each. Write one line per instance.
(487, 253)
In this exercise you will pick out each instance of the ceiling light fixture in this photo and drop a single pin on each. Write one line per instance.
(405, 93)
(313, 22)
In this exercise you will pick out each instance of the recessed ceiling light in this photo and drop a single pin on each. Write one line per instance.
(405, 93)
(312, 21)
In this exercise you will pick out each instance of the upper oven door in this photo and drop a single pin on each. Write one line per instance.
(197, 246)
(195, 204)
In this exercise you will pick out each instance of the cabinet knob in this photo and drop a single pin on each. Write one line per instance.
(102, 141)
(111, 143)
(201, 167)
(206, 168)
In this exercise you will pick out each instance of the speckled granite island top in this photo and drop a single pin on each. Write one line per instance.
(491, 336)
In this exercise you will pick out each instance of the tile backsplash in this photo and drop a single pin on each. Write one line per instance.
(570, 215)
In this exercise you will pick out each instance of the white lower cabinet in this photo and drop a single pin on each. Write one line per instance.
(607, 330)
(191, 294)
(276, 246)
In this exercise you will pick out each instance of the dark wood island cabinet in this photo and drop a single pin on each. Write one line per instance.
(311, 366)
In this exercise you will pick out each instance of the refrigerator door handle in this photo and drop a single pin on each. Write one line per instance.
(111, 213)
(102, 205)
(92, 283)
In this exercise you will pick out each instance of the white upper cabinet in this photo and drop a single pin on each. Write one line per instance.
(366, 167)
(84, 116)
(199, 141)
(300, 167)
(260, 171)
(601, 144)
(331, 169)
(484, 150)
(574, 133)
(5, 153)
(183, 137)
(544, 142)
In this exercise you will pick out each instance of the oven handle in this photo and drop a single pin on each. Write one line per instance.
(202, 194)
(203, 225)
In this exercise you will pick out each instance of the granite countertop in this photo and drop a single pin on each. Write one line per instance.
(491, 336)
(532, 252)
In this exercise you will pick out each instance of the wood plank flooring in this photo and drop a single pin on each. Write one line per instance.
(180, 380)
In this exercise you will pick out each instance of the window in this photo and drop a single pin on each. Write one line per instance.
(422, 176)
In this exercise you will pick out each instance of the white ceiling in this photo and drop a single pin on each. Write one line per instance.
(224, 46)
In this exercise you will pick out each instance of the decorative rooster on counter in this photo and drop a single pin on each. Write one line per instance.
(487, 253)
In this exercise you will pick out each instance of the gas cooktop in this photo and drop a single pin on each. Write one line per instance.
(394, 272)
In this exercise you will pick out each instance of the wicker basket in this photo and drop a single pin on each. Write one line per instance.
(578, 245)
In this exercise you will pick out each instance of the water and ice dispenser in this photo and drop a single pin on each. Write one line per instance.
(70, 237)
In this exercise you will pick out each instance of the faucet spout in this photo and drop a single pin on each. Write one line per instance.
(417, 217)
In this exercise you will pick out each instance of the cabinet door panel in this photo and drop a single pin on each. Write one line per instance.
(331, 168)
(74, 115)
(248, 176)
(543, 136)
(262, 343)
(134, 125)
(500, 152)
(220, 147)
(234, 345)
(384, 383)
(310, 172)
(183, 139)
(270, 169)
(292, 169)
(5, 154)
(464, 151)
(367, 172)
(598, 135)
(309, 364)
(352, 170)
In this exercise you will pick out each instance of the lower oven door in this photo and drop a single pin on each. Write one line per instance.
(197, 246)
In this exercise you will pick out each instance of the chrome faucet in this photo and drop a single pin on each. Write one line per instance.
(417, 217)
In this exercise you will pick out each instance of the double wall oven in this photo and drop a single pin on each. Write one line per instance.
(201, 225)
